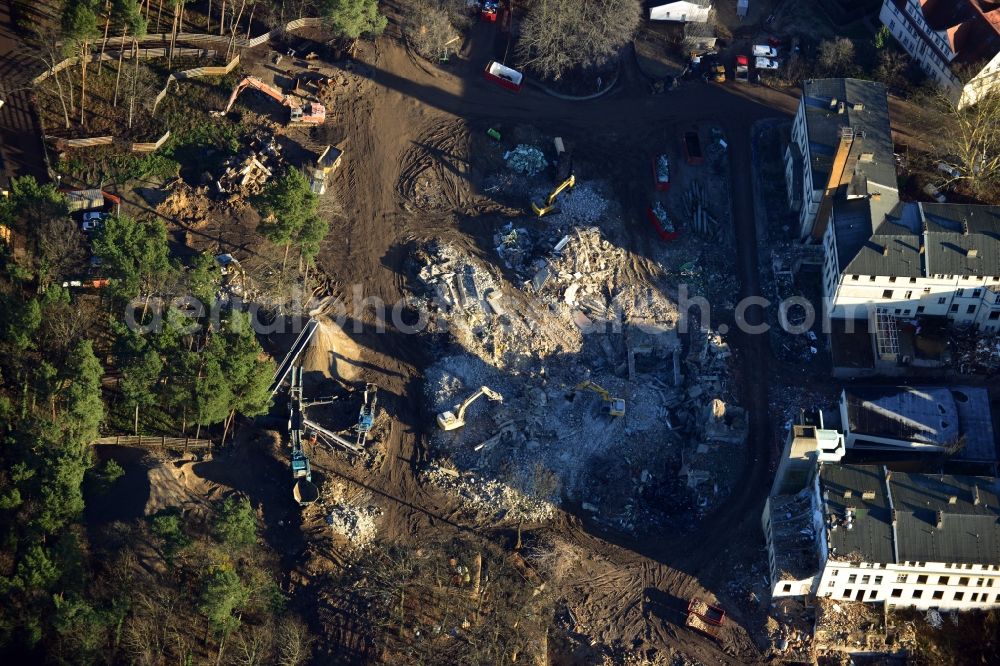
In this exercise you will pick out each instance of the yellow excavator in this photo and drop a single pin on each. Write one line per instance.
(455, 418)
(550, 203)
(615, 406)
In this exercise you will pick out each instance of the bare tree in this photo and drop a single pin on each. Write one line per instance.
(60, 245)
(428, 28)
(836, 56)
(294, 642)
(967, 140)
(558, 36)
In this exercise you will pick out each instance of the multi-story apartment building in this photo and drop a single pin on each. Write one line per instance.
(955, 42)
(864, 533)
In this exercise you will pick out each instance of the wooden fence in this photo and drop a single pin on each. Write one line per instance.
(151, 442)
(151, 147)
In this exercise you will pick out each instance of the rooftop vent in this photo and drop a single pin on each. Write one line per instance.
(868, 495)
(848, 494)
(940, 520)
(885, 250)
(867, 157)
(965, 227)
(972, 253)
(975, 495)
(841, 107)
(858, 106)
(833, 103)
(952, 499)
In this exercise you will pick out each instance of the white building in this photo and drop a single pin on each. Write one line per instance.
(956, 42)
(840, 124)
(682, 11)
(863, 533)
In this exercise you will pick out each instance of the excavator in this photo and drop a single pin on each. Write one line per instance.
(615, 406)
(550, 202)
(366, 417)
(455, 418)
(312, 113)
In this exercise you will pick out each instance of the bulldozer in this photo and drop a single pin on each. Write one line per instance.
(550, 202)
(614, 406)
(455, 418)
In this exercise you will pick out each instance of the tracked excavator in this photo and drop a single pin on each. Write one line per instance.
(312, 113)
(366, 416)
(550, 202)
(455, 418)
(615, 406)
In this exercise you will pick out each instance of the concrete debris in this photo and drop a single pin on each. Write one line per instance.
(526, 160)
(578, 315)
(355, 523)
(933, 618)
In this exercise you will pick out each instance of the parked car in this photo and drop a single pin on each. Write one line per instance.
(767, 63)
(935, 193)
(93, 220)
(765, 51)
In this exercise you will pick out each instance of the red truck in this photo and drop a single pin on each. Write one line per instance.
(511, 79)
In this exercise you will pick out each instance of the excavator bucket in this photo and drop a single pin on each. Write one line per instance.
(305, 492)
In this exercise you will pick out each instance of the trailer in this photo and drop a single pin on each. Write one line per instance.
(509, 78)
(705, 618)
(660, 219)
(700, 625)
(691, 144)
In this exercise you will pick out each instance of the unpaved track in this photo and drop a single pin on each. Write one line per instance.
(411, 102)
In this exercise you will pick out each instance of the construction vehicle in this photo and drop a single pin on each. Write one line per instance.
(304, 491)
(550, 202)
(366, 417)
(455, 418)
(312, 113)
(615, 406)
(704, 617)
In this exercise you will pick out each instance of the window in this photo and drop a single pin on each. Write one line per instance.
(872, 593)
(913, 280)
(900, 578)
(954, 307)
(941, 301)
(980, 581)
(865, 580)
(976, 293)
(871, 278)
(994, 315)
(943, 580)
(920, 309)
(989, 582)
(959, 596)
(961, 293)
(974, 596)
(787, 587)
(831, 583)
(897, 592)
(918, 593)
(964, 580)
(892, 279)
(921, 579)
(835, 572)
(970, 310)
(878, 580)
(927, 290)
(847, 593)
(909, 294)
(853, 578)
(887, 293)
(937, 595)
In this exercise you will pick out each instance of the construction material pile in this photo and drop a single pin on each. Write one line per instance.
(525, 159)
(563, 350)
(357, 524)
(247, 173)
(976, 352)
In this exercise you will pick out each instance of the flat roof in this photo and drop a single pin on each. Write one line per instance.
(938, 517)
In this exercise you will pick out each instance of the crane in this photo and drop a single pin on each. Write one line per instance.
(312, 113)
(615, 406)
(550, 202)
(455, 418)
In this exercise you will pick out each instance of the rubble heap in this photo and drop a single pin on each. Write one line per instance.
(247, 173)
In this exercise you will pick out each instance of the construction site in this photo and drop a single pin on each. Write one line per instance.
(511, 398)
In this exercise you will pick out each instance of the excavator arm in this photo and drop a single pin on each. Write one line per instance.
(550, 202)
(450, 420)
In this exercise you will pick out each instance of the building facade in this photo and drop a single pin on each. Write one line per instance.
(955, 42)
(682, 11)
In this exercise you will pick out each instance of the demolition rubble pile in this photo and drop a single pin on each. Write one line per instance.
(976, 352)
(355, 523)
(526, 160)
(578, 318)
(247, 173)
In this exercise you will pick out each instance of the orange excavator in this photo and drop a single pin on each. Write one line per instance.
(312, 113)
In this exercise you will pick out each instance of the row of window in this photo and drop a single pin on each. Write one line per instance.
(908, 563)
(913, 280)
(936, 595)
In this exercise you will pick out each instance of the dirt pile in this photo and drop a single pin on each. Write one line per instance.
(331, 352)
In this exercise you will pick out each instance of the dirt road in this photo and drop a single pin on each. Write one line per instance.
(369, 247)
